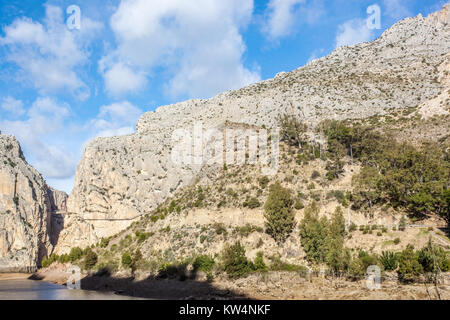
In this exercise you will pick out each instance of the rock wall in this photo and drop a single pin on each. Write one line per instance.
(26, 207)
(120, 178)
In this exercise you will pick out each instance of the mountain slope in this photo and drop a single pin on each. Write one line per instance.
(122, 178)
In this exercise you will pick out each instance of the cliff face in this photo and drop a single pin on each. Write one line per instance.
(26, 207)
(120, 178)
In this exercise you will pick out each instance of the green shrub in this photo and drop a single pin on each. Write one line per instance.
(402, 224)
(235, 263)
(104, 242)
(434, 259)
(90, 260)
(126, 260)
(389, 260)
(173, 270)
(397, 240)
(276, 264)
(75, 254)
(299, 205)
(263, 182)
(409, 268)
(203, 263)
(259, 264)
(292, 130)
(246, 230)
(279, 215)
(252, 203)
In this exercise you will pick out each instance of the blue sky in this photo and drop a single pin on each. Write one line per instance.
(61, 86)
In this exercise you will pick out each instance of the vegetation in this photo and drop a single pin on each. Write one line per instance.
(90, 260)
(292, 130)
(235, 263)
(279, 215)
(409, 268)
(389, 260)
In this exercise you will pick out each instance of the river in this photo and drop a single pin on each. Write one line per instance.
(24, 289)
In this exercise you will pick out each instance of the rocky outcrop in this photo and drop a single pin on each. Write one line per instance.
(26, 207)
(121, 178)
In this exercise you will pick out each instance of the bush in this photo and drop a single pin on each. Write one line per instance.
(126, 260)
(235, 263)
(252, 203)
(246, 230)
(358, 266)
(409, 268)
(173, 270)
(278, 265)
(298, 205)
(203, 263)
(263, 182)
(279, 215)
(434, 259)
(402, 224)
(259, 264)
(389, 260)
(292, 130)
(90, 260)
(104, 242)
(75, 254)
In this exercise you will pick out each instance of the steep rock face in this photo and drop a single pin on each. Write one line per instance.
(124, 177)
(26, 206)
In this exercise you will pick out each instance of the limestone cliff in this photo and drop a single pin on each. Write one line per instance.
(121, 178)
(26, 208)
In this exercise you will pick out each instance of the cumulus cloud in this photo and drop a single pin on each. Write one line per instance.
(116, 119)
(44, 120)
(397, 9)
(13, 106)
(281, 17)
(48, 53)
(120, 79)
(197, 42)
(353, 32)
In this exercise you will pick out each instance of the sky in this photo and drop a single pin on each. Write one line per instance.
(71, 71)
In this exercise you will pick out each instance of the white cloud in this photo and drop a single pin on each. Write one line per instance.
(397, 9)
(281, 17)
(284, 17)
(116, 119)
(39, 134)
(353, 32)
(49, 53)
(120, 79)
(13, 106)
(197, 42)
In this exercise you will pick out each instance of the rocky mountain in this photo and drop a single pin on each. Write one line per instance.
(119, 179)
(27, 206)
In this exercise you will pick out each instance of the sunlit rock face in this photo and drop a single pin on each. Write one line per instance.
(124, 177)
(26, 207)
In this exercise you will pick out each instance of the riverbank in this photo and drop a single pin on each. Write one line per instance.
(14, 276)
(263, 286)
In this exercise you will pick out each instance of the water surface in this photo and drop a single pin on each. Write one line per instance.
(24, 289)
